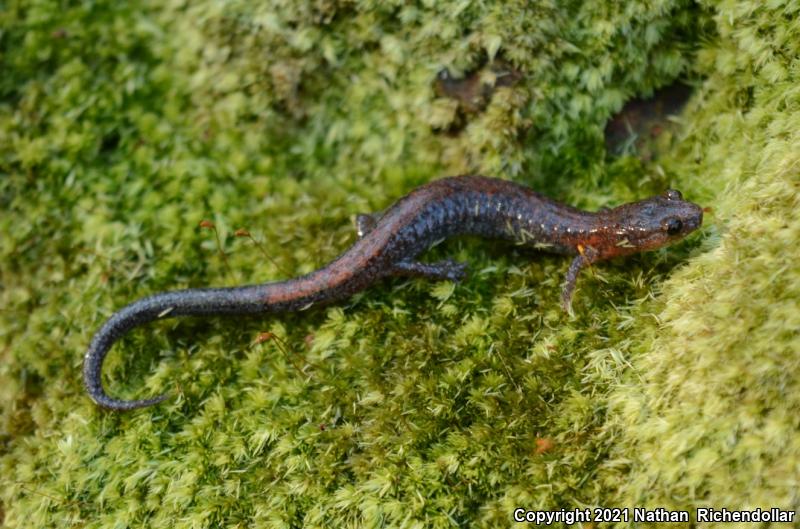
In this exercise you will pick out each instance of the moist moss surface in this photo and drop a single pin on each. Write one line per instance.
(414, 404)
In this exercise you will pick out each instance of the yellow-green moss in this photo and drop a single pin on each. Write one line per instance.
(415, 404)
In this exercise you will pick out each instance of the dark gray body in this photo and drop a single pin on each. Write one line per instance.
(388, 245)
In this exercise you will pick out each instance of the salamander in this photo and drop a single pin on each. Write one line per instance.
(389, 243)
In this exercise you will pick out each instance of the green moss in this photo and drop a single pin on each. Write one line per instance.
(414, 404)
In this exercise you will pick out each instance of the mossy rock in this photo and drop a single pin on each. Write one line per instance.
(414, 404)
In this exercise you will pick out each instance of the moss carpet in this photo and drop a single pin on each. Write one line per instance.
(414, 404)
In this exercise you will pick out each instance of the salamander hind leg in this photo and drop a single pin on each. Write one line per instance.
(365, 222)
(440, 270)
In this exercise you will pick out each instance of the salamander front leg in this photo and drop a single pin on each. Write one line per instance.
(447, 269)
(587, 255)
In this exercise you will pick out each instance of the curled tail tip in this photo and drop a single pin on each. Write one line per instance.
(104, 401)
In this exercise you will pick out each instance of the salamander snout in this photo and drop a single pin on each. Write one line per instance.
(678, 217)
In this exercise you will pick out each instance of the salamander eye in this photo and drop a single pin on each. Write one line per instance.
(673, 194)
(673, 226)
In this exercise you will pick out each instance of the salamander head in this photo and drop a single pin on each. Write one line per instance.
(648, 224)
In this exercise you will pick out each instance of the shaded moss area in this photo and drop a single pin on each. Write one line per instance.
(414, 404)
